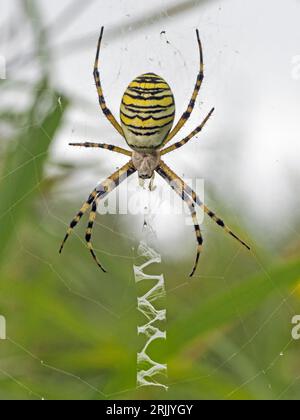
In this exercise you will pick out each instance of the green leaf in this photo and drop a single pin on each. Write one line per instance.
(221, 311)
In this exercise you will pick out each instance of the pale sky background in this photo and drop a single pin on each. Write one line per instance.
(249, 152)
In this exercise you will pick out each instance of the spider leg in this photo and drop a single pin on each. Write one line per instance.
(185, 197)
(168, 174)
(141, 182)
(152, 187)
(197, 231)
(102, 102)
(78, 217)
(199, 237)
(99, 192)
(103, 146)
(88, 233)
(189, 137)
(185, 116)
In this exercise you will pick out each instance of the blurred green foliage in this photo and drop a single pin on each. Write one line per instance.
(72, 330)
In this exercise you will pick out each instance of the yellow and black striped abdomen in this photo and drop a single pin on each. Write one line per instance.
(147, 112)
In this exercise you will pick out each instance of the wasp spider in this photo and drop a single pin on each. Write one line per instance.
(147, 114)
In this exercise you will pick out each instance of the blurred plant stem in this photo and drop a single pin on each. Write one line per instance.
(23, 165)
(23, 161)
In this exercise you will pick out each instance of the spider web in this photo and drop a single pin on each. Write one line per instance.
(286, 302)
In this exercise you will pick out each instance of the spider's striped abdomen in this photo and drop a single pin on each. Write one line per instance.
(147, 112)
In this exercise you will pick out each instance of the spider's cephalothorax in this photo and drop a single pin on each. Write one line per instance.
(147, 112)
(146, 163)
(147, 116)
